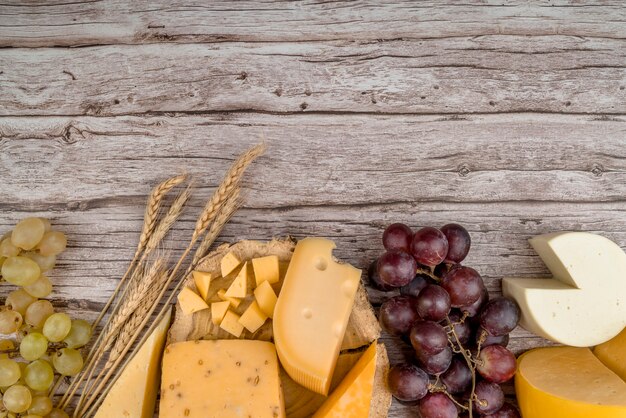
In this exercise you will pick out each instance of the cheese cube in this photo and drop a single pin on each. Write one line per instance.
(229, 263)
(239, 286)
(234, 302)
(231, 324)
(266, 269)
(312, 313)
(221, 379)
(135, 391)
(190, 302)
(266, 298)
(218, 310)
(253, 317)
(202, 280)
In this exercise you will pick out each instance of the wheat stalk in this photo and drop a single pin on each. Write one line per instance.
(168, 220)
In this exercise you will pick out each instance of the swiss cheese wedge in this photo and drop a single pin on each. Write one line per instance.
(613, 354)
(568, 382)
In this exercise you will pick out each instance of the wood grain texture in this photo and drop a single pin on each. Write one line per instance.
(44, 23)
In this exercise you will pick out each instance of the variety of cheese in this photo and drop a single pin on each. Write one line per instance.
(230, 323)
(134, 393)
(203, 282)
(218, 310)
(568, 382)
(585, 303)
(229, 263)
(613, 354)
(221, 379)
(234, 302)
(312, 312)
(190, 302)
(239, 286)
(266, 269)
(353, 396)
(266, 298)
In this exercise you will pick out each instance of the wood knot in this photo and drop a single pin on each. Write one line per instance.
(304, 105)
(464, 170)
(597, 170)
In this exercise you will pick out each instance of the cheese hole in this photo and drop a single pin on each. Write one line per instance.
(306, 312)
(321, 264)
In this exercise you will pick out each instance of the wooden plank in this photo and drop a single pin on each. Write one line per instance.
(119, 21)
(488, 74)
(366, 159)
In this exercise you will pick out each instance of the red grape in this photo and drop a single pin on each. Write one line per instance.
(407, 382)
(372, 273)
(496, 364)
(437, 405)
(464, 285)
(397, 237)
(436, 363)
(428, 337)
(433, 303)
(500, 316)
(488, 340)
(419, 282)
(396, 268)
(507, 411)
(474, 308)
(463, 329)
(398, 314)
(489, 397)
(458, 377)
(429, 246)
(459, 242)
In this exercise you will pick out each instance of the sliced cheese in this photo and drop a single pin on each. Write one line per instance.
(568, 382)
(233, 301)
(202, 279)
(134, 394)
(266, 269)
(613, 354)
(585, 303)
(353, 397)
(230, 323)
(218, 310)
(229, 263)
(312, 313)
(239, 286)
(221, 379)
(190, 302)
(253, 318)
(266, 298)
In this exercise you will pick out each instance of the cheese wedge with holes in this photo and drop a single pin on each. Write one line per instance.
(190, 301)
(613, 354)
(202, 280)
(585, 303)
(568, 382)
(266, 269)
(312, 312)
(221, 379)
(134, 393)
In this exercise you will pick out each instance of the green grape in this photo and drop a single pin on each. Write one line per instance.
(67, 361)
(31, 416)
(41, 288)
(2, 258)
(28, 232)
(57, 413)
(18, 300)
(46, 223)
(10, 372)
(33, 346)
(6, 345)
(10, 321)
(79, 335)
(39, 375)
(17, 398)
(57, 326)
(52, 243)
(44, 262)
(7, 249)
(41, 405)
(20, 271)
(38, 312)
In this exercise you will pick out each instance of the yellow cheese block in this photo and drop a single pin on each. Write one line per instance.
(229, 263)
(613, 354)
(568, 382)
(266, 298)
(253, 317)
(235, 302)
(202, 279)
(353, 396)
(312, 313)
(134, 394)
(239, 286)
(230, 323)
(218, 310)
(221, 379)
(190, 302)
(266, 269)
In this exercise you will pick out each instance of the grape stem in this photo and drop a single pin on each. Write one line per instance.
(468, 359)
(428, 273)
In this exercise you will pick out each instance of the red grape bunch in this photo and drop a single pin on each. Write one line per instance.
(443, 311)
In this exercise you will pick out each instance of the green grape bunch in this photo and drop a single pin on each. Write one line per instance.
(37, 344)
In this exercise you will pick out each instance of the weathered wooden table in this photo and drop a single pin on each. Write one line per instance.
(506, 117)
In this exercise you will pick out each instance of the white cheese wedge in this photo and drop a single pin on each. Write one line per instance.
(584, 304)
(135, 392)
